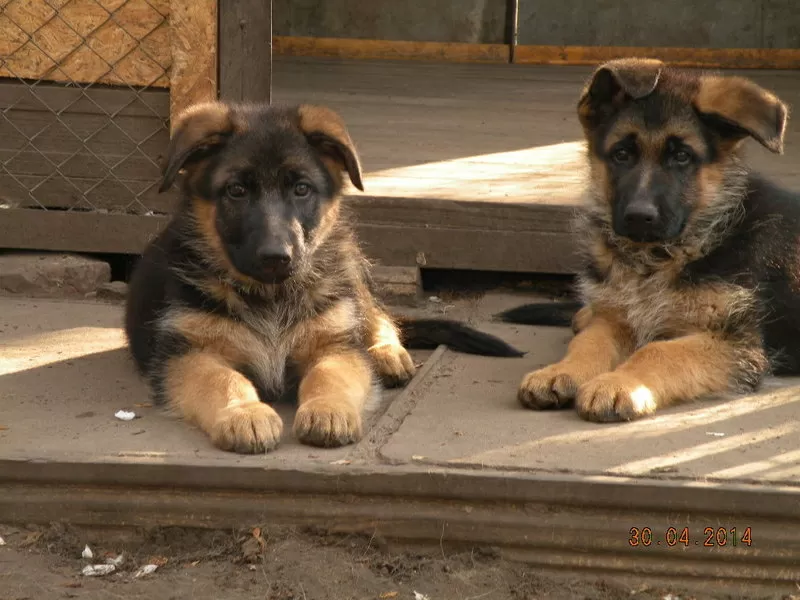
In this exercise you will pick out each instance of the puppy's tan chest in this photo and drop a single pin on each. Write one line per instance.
(657, 305)
(265, 341)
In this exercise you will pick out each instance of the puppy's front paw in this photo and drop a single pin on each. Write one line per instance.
(553, 386)
(393, 363)
(615, 396)
(250, 428)
(327, 423)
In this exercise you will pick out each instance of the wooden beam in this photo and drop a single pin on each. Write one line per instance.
(245, 50)
(714, 58)
(393, 232)
(68, 231)
(390, 50)
(193, 27)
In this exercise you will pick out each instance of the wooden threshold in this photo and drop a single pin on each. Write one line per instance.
(390, 49)
(348, 48)
(720, 58)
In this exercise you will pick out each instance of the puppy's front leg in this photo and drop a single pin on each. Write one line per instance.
(601, 342)
(666, 372)
(392, 361)
(207, 391)
(332, 394)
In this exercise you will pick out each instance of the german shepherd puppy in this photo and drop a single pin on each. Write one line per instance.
(691, 278)
(259, 278)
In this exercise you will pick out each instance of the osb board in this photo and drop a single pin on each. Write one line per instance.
(193, 77)
(118, 42)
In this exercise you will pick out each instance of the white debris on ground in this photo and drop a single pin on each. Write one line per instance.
(98, 570)
(418, 596)
(2, 541)
(117, 561)
(125, 415)
(146, 570)
(87, 553)
(715, 433)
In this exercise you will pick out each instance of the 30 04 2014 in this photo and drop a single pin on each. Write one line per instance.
(712, 537)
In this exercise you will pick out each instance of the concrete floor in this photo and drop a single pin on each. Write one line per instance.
(456, 432)
(66, 371)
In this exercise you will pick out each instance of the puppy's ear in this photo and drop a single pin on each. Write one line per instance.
(199, 131)
(739, 108)
(325, 130)
(613, 83)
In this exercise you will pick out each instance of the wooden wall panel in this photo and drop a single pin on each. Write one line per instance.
(245, 51)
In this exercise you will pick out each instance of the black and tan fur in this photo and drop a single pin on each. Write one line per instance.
(691, 277)
(258, 283)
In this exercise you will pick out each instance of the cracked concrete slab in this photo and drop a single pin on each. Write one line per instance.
(467, 415)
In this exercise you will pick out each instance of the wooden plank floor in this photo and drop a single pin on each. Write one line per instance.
(485, 133)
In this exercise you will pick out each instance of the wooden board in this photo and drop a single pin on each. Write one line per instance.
(390, 49)
(539, 243)
(117, 42)
(83, 158)
(245, 50)
(725, 58)
(529, 54)
(193, 28)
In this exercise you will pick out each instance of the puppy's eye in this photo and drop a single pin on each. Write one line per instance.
(681, 158)
(236, 190)
(301, 190)
(621, 156)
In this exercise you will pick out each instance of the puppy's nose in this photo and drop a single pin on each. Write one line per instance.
(641, 215)
(274, 257)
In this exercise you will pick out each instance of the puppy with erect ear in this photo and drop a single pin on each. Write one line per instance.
(691, 278)
(258, 286)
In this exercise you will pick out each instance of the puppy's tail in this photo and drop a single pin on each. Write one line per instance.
(553, 314)
(430, 333)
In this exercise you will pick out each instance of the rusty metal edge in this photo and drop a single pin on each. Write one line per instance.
(548, 535)
(418, 481)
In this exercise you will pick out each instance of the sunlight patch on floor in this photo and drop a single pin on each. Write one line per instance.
(32, 351)
(685, 455)
(552, 174)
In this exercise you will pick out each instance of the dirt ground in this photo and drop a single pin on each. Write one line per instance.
(276, 564)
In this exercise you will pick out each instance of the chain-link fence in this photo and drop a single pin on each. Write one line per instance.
(84, 104)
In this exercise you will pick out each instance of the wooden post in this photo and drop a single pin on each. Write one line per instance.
(245, 50)
(193, 26)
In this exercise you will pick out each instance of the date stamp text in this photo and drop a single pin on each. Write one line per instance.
(712, 537)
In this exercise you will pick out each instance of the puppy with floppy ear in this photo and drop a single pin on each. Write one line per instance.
(690, 283)
(258, 287)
